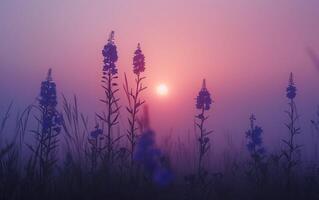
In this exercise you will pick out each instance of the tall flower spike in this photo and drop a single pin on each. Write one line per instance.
(203, 100)
(254, 136)
(291, 151)
(291, 89)
(110, 55)
(257, 165)
(50, 122)
(134, 99)
(111, 117)
(138, 60)
(48, 102)
(48, 92)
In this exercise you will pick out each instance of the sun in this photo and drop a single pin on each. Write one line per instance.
(162, 89)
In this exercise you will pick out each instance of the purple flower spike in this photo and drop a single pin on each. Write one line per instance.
(48, 102)
(254, 137)
(291, 89)
(110, 55)
(48, 92)
(203, 100)
(138, 61)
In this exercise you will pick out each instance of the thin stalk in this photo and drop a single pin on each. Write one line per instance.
(201, 142)
(133, 128)
(109, 115)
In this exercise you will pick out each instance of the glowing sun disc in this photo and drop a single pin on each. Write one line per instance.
(162, 90)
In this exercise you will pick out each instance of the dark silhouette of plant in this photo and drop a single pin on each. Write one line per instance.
(111, 101)
(82, 169)
(199, 185)
(95, 141)
(291, 150)
(134, 99)
(44, 153)
(257, 167)
(203, 102)
(11, 152)
(9, 171)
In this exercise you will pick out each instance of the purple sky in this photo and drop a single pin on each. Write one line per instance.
(245, 49)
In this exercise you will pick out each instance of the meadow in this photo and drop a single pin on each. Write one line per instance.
(55, 154)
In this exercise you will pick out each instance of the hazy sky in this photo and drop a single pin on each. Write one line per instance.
(244, 48)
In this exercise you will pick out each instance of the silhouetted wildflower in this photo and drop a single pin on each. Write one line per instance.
(290, 153)
(253, 135)
(51, 121)
(291, 89)
(203, 103)
(138, 61)
(48, 92)
(48, 102)
(134, 99)
(111, 101)
(110, 56)
(203, 100)
(257, 166)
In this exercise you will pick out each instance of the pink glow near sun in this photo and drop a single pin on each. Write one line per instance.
(162, 89)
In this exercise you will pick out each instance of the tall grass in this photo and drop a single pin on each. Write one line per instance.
(75, 128)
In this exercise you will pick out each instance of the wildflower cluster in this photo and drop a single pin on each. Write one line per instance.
(51, 122)
(110, 118)
(291, 89)
(290, 153)
(110, 56)
(257, 166)
(203, 100)
(138, 61)
(48, 102)
(254, 138)
(203, 103)
(48, 96)
(134, 100)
